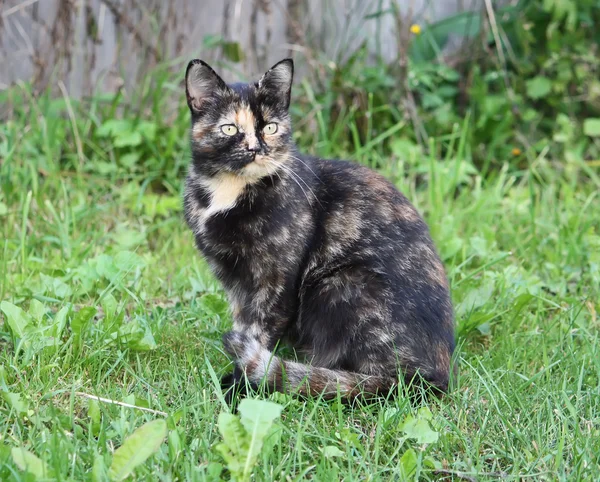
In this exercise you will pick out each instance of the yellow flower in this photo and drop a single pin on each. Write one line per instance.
(416, 29)
(516, 151)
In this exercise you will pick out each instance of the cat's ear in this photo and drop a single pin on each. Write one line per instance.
(277, 82)
(202, 83)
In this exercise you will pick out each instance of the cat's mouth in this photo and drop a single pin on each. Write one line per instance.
(260, 166)
(259, 159)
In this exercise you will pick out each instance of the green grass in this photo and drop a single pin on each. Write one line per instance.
(83, 225)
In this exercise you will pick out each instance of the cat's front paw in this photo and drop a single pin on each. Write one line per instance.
(228, 381)
(236, 386)
(232, 386)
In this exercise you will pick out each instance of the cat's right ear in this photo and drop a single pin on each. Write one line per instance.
(202, 83)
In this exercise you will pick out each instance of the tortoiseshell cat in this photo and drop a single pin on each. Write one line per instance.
(324, 255)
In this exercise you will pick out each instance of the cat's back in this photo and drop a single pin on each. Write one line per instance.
(359, 203)
(374, 241)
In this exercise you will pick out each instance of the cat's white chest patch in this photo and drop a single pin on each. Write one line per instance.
(224, 190)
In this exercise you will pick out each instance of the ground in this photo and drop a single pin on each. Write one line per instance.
(118, 304)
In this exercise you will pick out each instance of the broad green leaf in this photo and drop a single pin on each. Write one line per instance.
(147, 129)
(257, 417)
(105, 266)
(145, 343)
(113, 127)
(137, 335)
(109, 305)
(3, 209)
(213, 304)
(175, 444)
(425, 413)
(476, 298)
(55, 287)
(538, 87)
(136, 449)
(5, 453)
(521, 301)
(99, 473)
(59, 322)
(419, 429)
(408, 464)
(37, 310)
(130, 159)
(28, 462)
(95, 415)
(331, 451)
(17, 319)
(80, 322)
(129, 238)
(214, 470)
(15, 401)
(128, 261)
(432, 463)
(244, 436)
(591, 127)
(128, 139)
(234, 448)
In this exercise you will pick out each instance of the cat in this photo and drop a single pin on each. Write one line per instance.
(323, 255)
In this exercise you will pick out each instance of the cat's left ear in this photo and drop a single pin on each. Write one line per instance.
(201, 84)
(276, 84)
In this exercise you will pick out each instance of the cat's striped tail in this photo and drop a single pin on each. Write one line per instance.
(262, 366)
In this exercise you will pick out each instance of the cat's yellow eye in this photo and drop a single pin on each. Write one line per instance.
(270, 129)
(229, 130)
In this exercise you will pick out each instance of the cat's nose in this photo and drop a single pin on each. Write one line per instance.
(252, 143)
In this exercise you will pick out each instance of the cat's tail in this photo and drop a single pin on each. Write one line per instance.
(262, 366)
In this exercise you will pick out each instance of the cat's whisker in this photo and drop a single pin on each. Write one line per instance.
(294, 177)
(286, 168)
(297, 177)
(292, 172)
(306, 165)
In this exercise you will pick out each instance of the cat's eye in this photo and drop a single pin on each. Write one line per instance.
(229, 130)
(270, 129)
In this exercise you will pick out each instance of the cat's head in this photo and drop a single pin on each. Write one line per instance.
(243, 129)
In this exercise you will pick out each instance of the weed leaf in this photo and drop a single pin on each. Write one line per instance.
(234, 448)
(17, 319)
(418, 428)
(29, 462)
(591, 127)
(15, 402)
(140, 445)
(257, 417)
(408, 465)
(331, 451)
(95, 416)
(243, 437)
(57, 327)
(80, 322)
(538, 87)
(99, 469)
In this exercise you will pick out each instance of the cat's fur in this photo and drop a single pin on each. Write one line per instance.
(324, 255)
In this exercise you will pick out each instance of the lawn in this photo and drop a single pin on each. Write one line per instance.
(104, 295)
